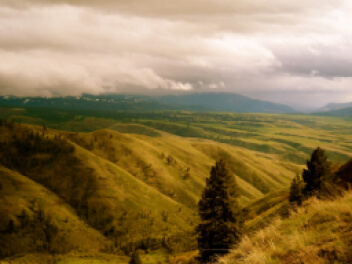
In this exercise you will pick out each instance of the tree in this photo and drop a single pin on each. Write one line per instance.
(318, 169)
(296, 189)
(221, 216)
(135, 259)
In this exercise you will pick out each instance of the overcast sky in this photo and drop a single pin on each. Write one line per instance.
(293, 52)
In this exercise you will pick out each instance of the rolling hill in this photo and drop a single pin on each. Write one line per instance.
(333, 107)
(36, 219)
(130, 187)
(136, 183)
(343, 112)
(137, 190)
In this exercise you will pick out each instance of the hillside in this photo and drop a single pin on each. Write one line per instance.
(344, 112)
(319, 232)
(35, 219)
(290, 138)
(136, 185)
(132, 188)
(177, 167)
(108, 198)
(333, 107)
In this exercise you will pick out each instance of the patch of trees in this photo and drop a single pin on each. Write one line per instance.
(319, 180)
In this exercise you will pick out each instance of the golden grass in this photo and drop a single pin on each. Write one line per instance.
(318, 232)
(146, 157)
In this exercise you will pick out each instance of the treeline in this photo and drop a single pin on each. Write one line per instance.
(319, 179)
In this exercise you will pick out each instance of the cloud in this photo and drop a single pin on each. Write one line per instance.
(266, 49)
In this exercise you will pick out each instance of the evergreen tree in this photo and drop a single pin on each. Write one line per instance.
(296, 195)
(221, 216)
(318, 169)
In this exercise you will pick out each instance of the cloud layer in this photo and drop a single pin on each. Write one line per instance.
(276, 50)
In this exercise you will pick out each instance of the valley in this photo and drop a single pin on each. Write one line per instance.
(126, 180)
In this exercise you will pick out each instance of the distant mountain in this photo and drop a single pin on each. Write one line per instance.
(340, 112)
(334, 106)
(91, 102)
(226, 102)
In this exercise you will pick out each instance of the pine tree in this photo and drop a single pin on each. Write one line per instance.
(221, 216)
(318, 169)
(296, 190)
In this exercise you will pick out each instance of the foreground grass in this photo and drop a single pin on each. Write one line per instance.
(318, 232)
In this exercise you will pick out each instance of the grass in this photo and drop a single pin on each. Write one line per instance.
(183, 178)
(319, 232)
(286, 137)
(151, 169)
(19, 193)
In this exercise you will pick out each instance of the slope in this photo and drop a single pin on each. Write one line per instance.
(333, 106)
(177, 167)
(344, 112)
(119, 205)
(35, 219)
(319, 232)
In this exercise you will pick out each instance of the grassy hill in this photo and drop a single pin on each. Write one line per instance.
(344, 111)
(133, 179)
(289, 138)
(319, 232)
(36, 219)
(177, 167)
(134, 189)
(108, 198)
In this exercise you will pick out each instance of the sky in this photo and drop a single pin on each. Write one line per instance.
(291, 52)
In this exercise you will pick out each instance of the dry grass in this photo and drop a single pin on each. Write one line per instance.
(318, 232)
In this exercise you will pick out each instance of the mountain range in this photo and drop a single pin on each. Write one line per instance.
(205, 102)
(223, 102)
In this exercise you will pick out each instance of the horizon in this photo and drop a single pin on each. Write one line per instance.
(156, 95)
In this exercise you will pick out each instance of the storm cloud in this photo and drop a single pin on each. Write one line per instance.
(283, 51)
